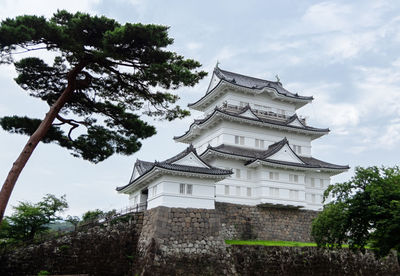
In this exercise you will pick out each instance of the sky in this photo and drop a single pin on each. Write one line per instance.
(344, 53)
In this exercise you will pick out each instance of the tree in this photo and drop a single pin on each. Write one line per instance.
(103, 77)
(91, 216)
(74, 220)
(365, 211)
(30, 219)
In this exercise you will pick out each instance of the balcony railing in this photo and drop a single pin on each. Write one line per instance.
(260, 113)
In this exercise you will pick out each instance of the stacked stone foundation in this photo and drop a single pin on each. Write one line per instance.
(178, 241)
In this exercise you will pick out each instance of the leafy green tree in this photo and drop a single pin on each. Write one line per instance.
(103, 77)
(92, 215)
(30, 219)
(74, 220)
(365, 211)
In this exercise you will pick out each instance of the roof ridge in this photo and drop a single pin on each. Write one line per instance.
(250, 77)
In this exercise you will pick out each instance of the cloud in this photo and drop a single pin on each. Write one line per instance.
(327, 16)
(391, 136)
(194, 46)
(12, 8)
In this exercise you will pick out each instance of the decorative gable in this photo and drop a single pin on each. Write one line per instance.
(213, 83)
(191, 159)
(296, 122)
(249, 114)
(135, 174)
(285, 154)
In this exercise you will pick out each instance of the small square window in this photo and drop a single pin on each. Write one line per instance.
(226, 190)
(237, 173)
(189, 189)
(237, 190)
(249, 175)
(182, 188)
(248, 191)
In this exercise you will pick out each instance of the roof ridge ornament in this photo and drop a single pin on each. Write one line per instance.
(278, 80)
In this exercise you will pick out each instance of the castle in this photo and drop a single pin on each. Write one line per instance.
(249, 148)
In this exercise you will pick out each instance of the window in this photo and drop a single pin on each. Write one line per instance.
(274, 175)
(313, 198)
(259, 143)
(321, 183)
(226, 190)
(294, 194)
(249, 175)
(312, 182)
(237, 190)
(297, 149)
(135, 200)
(239, 140)
(237, 173)
(248, 191)
(274, 192)
(154, 190)
(185, 189)
(182, 188)
(189, 189)
(293, 178)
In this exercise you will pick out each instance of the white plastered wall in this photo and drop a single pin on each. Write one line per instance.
(168, 193)
(261, 101)
(225, 132)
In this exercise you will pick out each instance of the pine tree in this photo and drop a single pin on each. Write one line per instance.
(104, 76)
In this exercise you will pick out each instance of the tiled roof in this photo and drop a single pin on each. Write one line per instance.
(253, 155)
(258, 119)
(255, 83)
(143, 167)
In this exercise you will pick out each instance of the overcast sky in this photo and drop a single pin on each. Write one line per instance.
(344, 53)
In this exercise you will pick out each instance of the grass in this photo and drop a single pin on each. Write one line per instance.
(272, 243)
(278, 243)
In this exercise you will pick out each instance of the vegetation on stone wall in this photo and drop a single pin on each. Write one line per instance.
(365, 210)
(32, 219)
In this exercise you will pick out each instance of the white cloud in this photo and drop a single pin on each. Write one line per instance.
(12, 8)
(325, 110)
(194, 46)
(327, 16)
(391, 136)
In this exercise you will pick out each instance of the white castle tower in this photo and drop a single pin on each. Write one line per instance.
(249, 148)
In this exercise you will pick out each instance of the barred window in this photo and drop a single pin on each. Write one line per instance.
(189, 189)
(182, 188)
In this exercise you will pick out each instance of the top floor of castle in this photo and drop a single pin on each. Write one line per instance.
(232, 91)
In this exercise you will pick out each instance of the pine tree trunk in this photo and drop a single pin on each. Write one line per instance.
(34, 140)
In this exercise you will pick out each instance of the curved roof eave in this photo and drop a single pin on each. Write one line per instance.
(197, 105)
(314, 131)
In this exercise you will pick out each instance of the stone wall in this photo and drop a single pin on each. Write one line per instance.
(187, 230)
(307, 261)
(177, 241)
(252, 222)
(101, 250)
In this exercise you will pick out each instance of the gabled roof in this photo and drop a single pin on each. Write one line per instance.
(251, 84)
(145, 168)
(252, 156)
(255, 83)
(285, 124)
